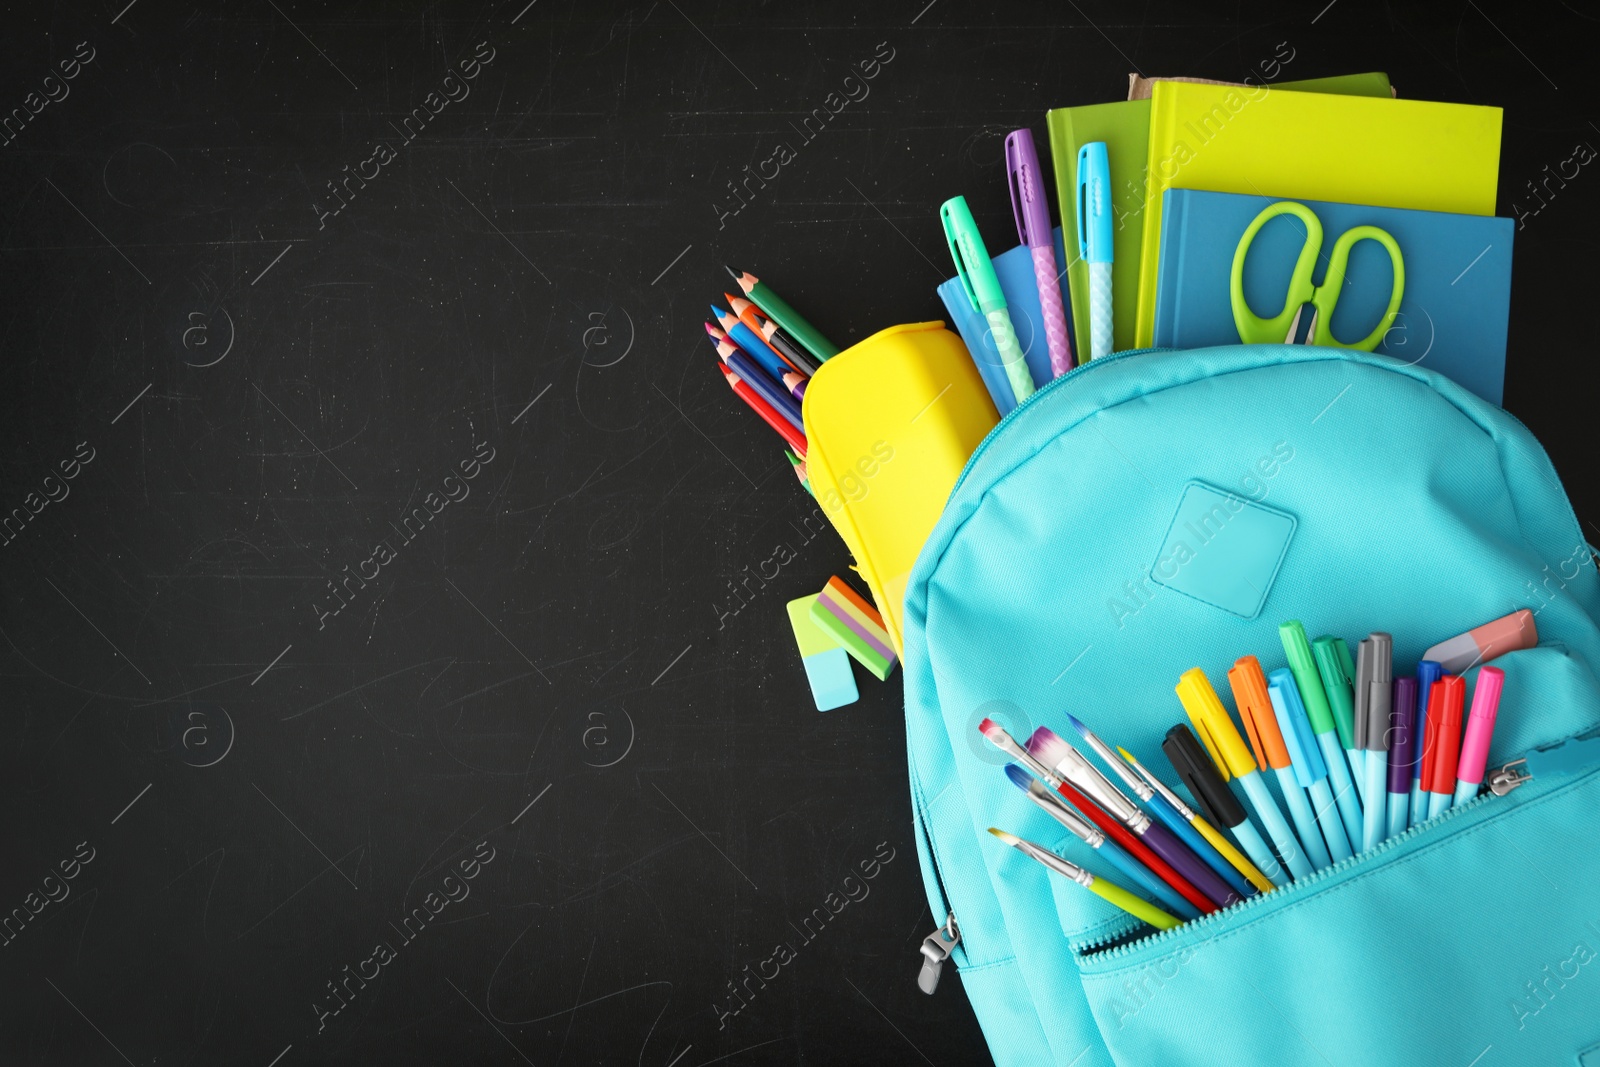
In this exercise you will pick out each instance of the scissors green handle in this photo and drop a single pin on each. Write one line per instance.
(1255, 330)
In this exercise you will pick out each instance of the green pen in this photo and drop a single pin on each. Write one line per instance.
(983, 290)
(1303, 665)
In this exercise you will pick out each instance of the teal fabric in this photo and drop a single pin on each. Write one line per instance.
(1418, 509)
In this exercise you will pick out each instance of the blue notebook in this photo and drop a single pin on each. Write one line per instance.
(1457, 287)
(1015, 271)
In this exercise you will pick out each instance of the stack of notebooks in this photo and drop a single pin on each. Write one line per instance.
(1196, 163)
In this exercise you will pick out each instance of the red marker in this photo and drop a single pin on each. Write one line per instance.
(1444, 742)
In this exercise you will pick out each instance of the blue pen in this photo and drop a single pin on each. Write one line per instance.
(1050, 802)
(1310, 769)
(1094, 241)
(1428, 672)
(1166, 811)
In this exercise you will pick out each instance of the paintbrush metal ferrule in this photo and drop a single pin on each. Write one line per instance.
(1055, 862)
(1083, 776)
(1110, 759)
(1052, 805)
(1159, 786)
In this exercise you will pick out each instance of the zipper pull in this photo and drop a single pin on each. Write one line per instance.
(1568, 757)
(936, 948)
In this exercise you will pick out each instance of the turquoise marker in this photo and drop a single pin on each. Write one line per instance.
(983, 290)
(1304, 667)
(1310, 770)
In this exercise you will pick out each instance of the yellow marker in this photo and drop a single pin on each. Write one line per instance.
(1231, 755)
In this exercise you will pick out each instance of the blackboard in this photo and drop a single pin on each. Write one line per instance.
(373, 687)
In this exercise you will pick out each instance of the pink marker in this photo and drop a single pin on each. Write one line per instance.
(1482, 644)
(1480, 728)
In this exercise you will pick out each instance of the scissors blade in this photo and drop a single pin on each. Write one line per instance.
(1295, 325)
(1311, 330)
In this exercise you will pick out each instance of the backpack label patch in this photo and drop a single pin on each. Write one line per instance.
(1223, 549)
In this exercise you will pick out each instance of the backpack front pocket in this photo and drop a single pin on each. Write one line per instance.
(1473, 934)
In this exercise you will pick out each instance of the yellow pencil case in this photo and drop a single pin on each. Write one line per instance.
(889, 423)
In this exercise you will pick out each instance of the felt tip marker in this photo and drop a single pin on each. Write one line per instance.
(1375, 682)
(1402, 720)
(1483, 643)
(1309, 682)
(1338, 673)
(1228, 750)
(1205, 784)
(1480, 729)
(1310, 766)
(1271, 750)
(1444, 748)
(1428, 673)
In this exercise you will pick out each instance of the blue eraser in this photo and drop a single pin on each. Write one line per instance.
(832, 683)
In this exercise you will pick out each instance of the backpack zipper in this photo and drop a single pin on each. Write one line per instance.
(1571, 756)
(936, 948)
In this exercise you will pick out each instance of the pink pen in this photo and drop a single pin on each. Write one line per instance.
(1480, 728)
(1033, 229)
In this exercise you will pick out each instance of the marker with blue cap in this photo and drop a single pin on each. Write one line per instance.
(1272, 750)
(1310, 770)
(1315, 699)
(1428, 672)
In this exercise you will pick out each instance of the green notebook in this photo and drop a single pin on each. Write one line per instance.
(1125, 128)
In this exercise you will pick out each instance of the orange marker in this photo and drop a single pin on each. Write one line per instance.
(1266, 738)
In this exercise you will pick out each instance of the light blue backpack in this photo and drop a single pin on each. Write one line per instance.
(1053, 583)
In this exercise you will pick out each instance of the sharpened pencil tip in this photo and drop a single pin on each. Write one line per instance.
(731, 272)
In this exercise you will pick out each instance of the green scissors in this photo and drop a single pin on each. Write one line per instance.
(1281, 327)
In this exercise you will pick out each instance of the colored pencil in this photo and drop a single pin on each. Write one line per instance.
(752, 345)
(796, 439)
(778, 310)
(800, 472)
(751, 316)
(787, 347)
(795, 382)
(759, 380)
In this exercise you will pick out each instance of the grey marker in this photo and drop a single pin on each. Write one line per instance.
(1375, 681)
